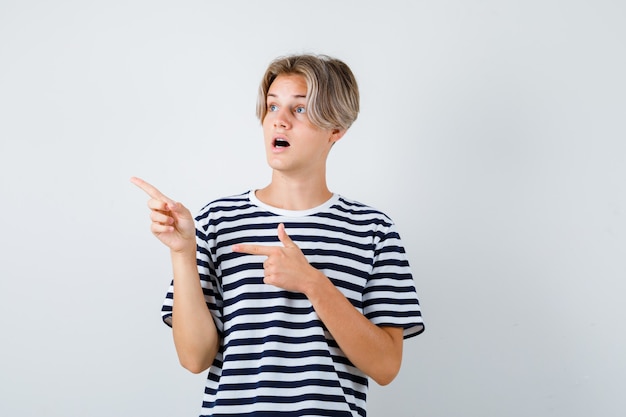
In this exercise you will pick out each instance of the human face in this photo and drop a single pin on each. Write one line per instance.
(293, 144)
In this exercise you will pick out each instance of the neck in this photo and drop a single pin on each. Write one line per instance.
(290, 193)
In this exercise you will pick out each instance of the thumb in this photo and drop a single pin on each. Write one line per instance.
(284, 237)
(178, 209)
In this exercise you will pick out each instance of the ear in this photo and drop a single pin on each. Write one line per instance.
(336, 134)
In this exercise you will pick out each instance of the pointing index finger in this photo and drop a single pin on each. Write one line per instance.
(151, 190)
(284, 237)
(253, 249)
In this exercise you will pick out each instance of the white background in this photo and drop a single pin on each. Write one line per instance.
(492, 132)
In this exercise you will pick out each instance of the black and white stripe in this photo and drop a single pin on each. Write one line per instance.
(277, 358)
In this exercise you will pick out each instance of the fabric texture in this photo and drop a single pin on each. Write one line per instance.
(276, 357)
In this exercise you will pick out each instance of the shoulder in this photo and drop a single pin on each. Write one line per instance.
(223, 206)
(227, 202)
(357, 210)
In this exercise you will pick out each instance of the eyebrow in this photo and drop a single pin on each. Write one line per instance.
(294, 96)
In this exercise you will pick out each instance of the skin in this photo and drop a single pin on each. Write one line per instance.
(195, 335)
(298, 183)
(298, 171)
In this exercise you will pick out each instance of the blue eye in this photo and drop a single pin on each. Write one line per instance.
(300, 109)
(272, 107)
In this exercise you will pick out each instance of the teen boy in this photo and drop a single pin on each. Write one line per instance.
(292, 295)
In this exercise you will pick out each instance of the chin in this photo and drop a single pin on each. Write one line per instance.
(275, 164)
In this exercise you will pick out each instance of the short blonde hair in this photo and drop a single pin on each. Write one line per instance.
(332, 90)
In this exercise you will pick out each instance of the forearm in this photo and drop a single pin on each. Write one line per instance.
(374, 350)
(195, 335)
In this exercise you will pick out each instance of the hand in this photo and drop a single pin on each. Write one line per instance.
(286, 266)
(172, 223)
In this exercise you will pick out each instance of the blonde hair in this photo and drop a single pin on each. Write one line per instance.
(332, 90)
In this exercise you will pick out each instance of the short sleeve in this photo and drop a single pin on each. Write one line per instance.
(390, 298)
(208, 281)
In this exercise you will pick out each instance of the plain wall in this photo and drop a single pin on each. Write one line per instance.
(492, 132)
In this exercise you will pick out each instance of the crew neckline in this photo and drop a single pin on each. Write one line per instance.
(292, 213)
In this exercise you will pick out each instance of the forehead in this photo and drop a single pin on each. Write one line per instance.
(288, 85)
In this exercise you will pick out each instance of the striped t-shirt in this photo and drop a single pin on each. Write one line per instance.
(276, 356)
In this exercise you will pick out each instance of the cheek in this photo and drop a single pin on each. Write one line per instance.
(268, 122)
(267, 136)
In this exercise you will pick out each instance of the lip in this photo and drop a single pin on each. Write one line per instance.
(278, 149)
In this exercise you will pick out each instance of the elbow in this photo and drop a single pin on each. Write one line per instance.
(195, 370)
(384, 381)
(388, 371)
(386, 377)
(194, 361)
(193, 366)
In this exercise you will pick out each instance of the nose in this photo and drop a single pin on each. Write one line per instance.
(281, 120)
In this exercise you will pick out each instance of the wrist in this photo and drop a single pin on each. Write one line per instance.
(317, 287)
(188, 251)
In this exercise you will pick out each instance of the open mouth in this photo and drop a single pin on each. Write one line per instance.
(281, 143)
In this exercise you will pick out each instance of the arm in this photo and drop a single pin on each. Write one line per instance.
(195, 335)
(377, 351)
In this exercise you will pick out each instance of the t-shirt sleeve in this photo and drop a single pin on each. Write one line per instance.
(208, 281)
(390, 298)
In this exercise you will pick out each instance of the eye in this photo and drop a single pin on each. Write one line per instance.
(272, 107)
(300, 109)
